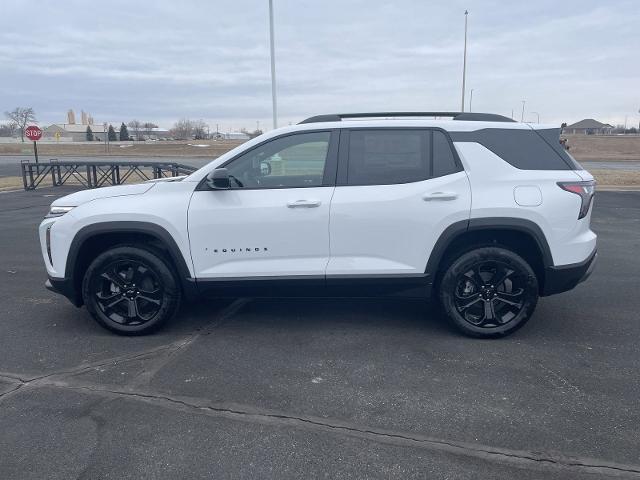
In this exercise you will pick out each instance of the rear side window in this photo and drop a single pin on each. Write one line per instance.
(383, 157)
(524, 149)
(378, 157)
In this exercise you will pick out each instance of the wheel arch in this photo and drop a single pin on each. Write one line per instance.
(522, 236)
(100, 236)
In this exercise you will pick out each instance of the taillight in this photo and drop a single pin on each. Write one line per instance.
(585, 190)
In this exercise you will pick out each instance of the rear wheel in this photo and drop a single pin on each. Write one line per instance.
(130, 290)
(489, 292)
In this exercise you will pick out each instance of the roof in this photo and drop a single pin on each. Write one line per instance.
(589, 123)
(76, 127)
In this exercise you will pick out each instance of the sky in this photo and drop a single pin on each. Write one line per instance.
(164, 60)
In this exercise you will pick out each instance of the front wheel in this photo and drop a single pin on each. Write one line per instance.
(130, 290)
(489, 292)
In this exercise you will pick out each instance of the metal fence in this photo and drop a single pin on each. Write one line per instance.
(97, 174)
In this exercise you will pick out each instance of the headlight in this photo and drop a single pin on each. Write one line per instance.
(57, 211)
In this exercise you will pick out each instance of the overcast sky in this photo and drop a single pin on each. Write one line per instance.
(162, 60)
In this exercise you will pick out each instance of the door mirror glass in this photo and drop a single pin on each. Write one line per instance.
(219, 179)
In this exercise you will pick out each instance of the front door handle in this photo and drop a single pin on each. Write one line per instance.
(304, 204)
(443, 196)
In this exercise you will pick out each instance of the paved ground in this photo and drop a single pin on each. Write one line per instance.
(321, 388)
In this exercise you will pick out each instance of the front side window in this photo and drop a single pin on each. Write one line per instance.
(287, 162)
(379, 157)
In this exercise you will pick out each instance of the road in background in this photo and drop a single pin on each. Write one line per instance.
(320, 388)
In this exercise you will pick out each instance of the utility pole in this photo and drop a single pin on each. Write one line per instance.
(464, 61)
(470, 100)
(522, 116)
(273, 67)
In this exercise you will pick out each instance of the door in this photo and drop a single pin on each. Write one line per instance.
(397, 190)
(274, 220)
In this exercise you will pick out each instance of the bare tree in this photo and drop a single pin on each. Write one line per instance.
(182, 129)
(8, 129)
(148, 128)
(200, 129)
(136, 126)
(21, 116)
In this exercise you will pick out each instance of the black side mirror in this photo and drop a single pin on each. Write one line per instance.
(219, 179)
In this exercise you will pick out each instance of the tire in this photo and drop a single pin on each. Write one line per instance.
(488, 292)
(131, 290)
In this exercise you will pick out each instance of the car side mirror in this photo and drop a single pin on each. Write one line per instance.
(219, 179)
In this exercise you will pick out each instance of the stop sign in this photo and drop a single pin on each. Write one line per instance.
(33, 133)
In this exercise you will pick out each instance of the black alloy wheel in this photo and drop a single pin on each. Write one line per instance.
(129, 293)
(131, 290)
(489, 292)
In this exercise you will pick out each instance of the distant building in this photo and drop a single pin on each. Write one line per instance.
(588, 126)
(234, 136)
(71, 132)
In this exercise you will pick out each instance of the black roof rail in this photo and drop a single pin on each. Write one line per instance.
(467, 116)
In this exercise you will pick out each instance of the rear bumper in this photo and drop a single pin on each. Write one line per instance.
(563, 278)
(65, 287)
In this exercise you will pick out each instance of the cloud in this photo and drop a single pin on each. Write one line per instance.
(210, 60)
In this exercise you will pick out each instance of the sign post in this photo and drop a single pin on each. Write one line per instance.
(34, 133)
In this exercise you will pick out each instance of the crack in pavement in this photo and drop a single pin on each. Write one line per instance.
(67, 379)
(172, 347)
(249, 414)
(17, 387)
(145, 377)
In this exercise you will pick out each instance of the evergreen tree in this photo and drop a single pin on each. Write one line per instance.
(124, 133)
(89, 134)
(112, 134)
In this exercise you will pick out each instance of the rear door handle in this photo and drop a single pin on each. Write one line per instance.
(304, 204)
(442, 196)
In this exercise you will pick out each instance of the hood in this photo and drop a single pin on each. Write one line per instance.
(85, 196)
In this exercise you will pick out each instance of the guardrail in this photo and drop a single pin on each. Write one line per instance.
(97, 174)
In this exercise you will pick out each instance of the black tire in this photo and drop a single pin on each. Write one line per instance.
(131, 290)
(488, 292)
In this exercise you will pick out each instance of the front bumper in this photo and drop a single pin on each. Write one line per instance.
(65, 287)
(563, 278)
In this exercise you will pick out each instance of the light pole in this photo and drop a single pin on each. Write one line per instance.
(538, 115)
(464, 61)
(470, 99)
(522, 116)
(273, 67)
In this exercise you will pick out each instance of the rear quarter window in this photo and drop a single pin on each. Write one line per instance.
(524, 149)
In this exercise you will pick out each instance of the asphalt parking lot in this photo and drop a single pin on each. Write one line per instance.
(321, 388)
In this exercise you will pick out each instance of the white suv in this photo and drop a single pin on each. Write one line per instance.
(482, 212)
